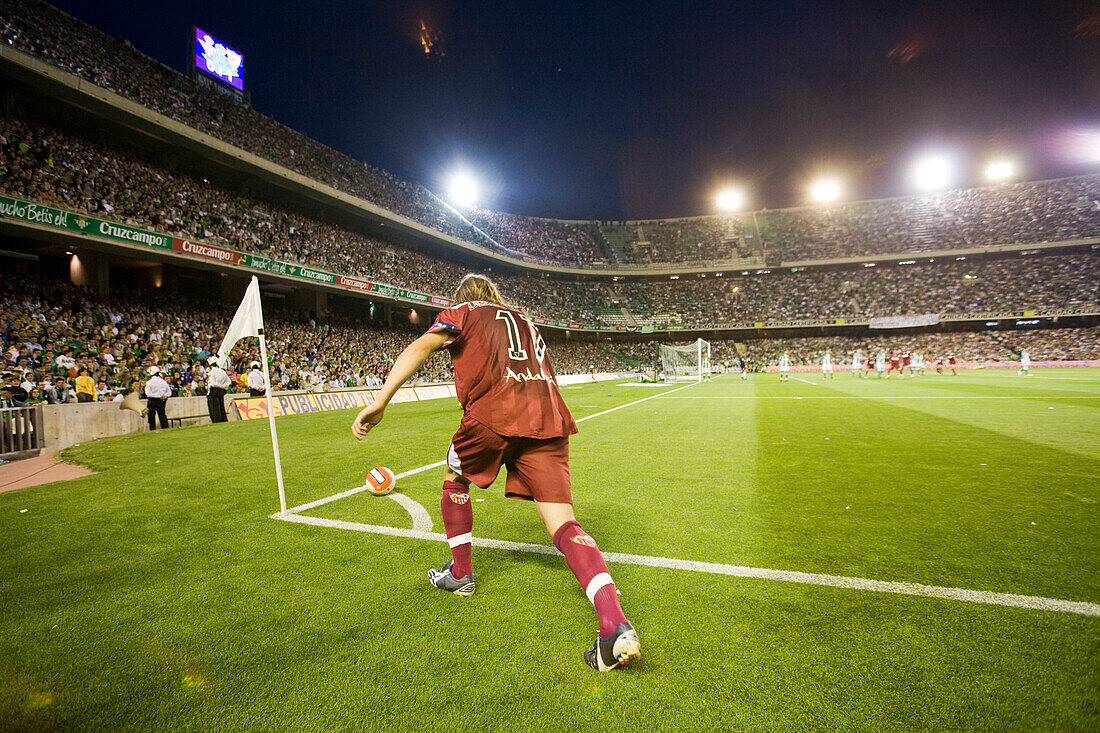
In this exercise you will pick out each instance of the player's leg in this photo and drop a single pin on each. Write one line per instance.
(475, 455)
(458, 522)
(617, 642)
(540, 471)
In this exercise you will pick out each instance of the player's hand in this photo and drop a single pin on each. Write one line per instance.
(370, 416)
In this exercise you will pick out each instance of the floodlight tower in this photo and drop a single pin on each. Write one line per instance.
(730, 199)
(932, 172)
(463, 190)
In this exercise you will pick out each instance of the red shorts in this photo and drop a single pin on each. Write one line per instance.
(537, 468)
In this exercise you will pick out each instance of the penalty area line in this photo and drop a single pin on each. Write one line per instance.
(1038, 603)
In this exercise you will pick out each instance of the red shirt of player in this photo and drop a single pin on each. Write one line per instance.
(503, 374)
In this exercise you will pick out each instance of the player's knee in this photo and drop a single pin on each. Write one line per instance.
(554, 515)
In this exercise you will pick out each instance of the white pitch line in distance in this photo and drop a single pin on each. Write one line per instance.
(805, 381)
(427, 467)
(1013, 600)
(889, 397)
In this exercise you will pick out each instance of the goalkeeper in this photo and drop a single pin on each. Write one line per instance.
(513, 415)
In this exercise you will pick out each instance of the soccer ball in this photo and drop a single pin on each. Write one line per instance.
(381, 481)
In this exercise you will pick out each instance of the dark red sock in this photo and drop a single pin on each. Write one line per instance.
(458, 520)
(586, 562)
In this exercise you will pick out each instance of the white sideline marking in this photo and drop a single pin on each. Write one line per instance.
(1038, 603)
(806, 381)
(637, 402)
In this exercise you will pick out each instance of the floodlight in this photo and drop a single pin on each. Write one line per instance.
(932, 172)
(730, 199)
(1000, 170)
(463, 190)
(825, 189)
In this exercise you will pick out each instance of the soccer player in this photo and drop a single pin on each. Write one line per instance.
(880, 363)
(895, 363)
(784, 367)
(1025, 363)
(869, 364)
(856, 359)
(826, 366)
(918, 364)
(952, 362)
(906, 362)
(513, 415)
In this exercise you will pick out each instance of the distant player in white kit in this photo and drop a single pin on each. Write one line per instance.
(857, 361)
(826, 366)
(784, 367)
(880, 363)
(918, 364)
(1025, 363)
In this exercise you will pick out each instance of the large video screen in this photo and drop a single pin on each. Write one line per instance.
(218, 60)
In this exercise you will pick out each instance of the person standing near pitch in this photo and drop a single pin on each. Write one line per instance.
(784, 367)
(1025, 363)
(826, 366)
(513, 415)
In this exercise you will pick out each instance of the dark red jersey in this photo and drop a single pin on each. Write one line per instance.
(895, 359)
(503, 374)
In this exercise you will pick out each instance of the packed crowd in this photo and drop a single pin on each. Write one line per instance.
(59, 341)
(1010, 213)
(955, 287)
(43, 163)
(40, 162)
(1047, 211)
(547, 239)
(1077, 344)
(44, 31)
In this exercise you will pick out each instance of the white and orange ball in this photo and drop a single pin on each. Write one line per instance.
(381, 481)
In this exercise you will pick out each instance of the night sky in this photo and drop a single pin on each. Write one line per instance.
(639, 109)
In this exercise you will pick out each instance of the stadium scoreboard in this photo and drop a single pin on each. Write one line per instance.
(213, 59)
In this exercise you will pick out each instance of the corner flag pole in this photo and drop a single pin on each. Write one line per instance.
(249, 321)
(271, 421)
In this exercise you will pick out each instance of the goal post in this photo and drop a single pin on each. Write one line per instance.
(691, 362)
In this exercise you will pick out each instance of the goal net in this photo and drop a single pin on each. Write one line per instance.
(686, 362)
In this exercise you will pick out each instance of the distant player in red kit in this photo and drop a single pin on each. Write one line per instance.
(907, 362)
(868, 365)
(513, 415)
(895, 363)
(952, 363)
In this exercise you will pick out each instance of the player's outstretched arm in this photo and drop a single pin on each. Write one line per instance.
(406, 365)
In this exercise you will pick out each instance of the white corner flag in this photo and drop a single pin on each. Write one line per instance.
(249, 321)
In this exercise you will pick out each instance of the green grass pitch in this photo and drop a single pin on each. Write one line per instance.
(160, 595)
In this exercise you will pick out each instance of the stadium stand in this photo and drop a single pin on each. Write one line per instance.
(42, 163)
(1009, 214)
(51, 331)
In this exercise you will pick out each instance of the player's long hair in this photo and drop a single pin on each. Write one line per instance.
(478, 288)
